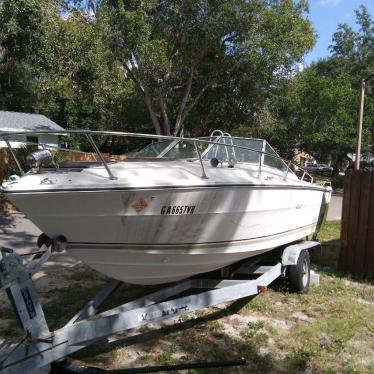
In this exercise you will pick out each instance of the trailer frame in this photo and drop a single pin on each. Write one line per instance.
(40, 347)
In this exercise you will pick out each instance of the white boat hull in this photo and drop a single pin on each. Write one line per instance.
(151, 236)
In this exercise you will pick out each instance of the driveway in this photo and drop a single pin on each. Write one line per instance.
(17, 232)
(20, 234)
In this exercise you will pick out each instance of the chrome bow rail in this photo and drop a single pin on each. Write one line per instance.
(11, 136)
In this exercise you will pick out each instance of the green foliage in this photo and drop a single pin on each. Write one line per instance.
(21, 153)
(26, 34)
(174, 66)
(205, 61)
(143, 65)
(328, 109)
(59, 67)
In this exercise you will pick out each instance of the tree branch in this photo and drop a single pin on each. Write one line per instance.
(133, 77)
(179, 120)
(166, 124)
(146, 97)
(195, 100)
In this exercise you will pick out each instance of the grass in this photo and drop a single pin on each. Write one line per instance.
(337, 182)
(328, 330)
(329, 236)
(330, 232)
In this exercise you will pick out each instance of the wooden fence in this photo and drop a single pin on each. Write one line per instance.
(4, 161)
(357, 237)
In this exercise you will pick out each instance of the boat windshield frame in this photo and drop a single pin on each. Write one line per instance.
(7, 135)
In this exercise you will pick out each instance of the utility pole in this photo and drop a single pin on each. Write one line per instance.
(359, 126)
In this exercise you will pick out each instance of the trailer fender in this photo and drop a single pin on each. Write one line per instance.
(292, 252)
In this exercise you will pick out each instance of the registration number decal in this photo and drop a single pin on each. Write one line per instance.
(178, 209)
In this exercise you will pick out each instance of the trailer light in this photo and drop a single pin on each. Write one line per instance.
(43, 239)
(261, 288)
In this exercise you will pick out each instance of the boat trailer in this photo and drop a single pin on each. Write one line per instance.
(40, 347)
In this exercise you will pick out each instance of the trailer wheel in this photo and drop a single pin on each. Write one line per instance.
(299, 274)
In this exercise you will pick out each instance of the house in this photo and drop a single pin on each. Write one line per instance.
(302, 158)
(14, 121)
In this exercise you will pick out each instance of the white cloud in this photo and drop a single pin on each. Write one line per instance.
(330, 2)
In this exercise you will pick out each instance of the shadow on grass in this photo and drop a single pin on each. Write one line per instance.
(196, 342)
(328, 258)
(327, 262)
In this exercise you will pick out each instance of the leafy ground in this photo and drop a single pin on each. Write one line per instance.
(328, 330)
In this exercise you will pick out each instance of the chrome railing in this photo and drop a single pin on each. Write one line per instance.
(6, 136)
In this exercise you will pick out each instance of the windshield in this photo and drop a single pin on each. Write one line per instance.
(154, 149)
(187, 149)
(222, 150)
(272, 161)
(224, 153)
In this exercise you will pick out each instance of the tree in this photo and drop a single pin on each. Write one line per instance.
(26, 34)
(352, 51)
(59, 67)
(172, 66)
(85, 88)
(333, 93)
(325, 117)
(180, 54)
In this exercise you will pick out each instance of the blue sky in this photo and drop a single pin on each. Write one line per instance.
(325, 16)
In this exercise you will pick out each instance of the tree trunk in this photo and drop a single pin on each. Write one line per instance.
(146, 97)
(166, 122)
(180, 116)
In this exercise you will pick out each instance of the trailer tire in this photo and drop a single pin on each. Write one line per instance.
(299, 274)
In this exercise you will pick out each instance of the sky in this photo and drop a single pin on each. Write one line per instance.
(326, 15)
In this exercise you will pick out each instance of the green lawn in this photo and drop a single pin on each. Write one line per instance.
(329, 236)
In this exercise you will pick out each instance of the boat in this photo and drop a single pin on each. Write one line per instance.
(177, 208)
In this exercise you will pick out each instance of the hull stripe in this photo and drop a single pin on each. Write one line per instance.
(139, 246)
(161, 188)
